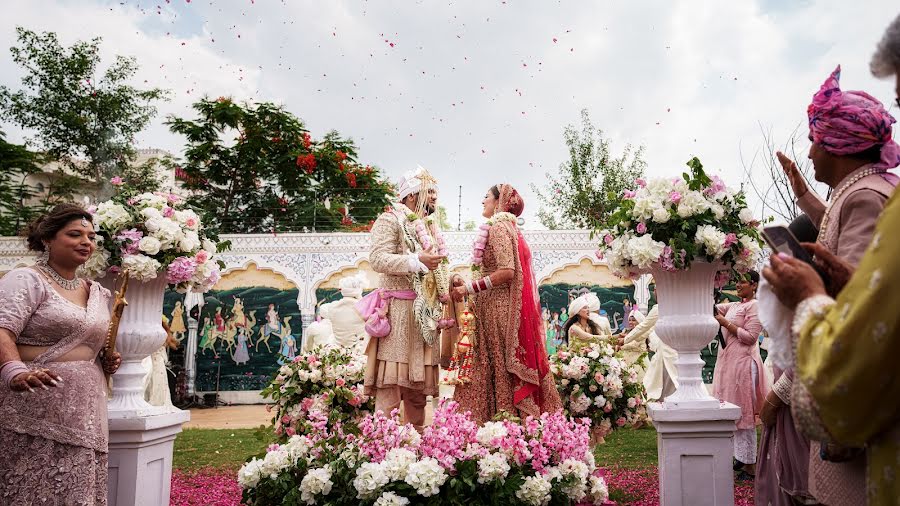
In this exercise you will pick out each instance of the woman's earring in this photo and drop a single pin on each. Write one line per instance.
(44, 256)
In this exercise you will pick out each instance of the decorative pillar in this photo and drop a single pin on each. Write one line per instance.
(642, 293)
(307, 316)
(190, 356)
(695, 447)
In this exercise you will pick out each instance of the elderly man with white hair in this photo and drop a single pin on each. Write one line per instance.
(402, 317)
(348, 325)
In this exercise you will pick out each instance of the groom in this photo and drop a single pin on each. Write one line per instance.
(403, 364)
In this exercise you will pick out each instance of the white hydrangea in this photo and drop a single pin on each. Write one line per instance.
(598, 490)
(426, 476)
(141, 267)
(152, 200)
(644, 207)
(112, 216)
(577, 470)
(96, 265)
(396, 463)
(316, 482)
(490, 431)
(391, 499)
(249, 474)
(491, 467)
(718, 211)
(534, 491)
(167, 231)
(746, 216)
(149, 245)
(692, 203)
(712, 239)
(370, 477)
(297, 448)
(643, 250)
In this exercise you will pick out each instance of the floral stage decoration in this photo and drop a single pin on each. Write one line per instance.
(148, 234)
(596, 383)
(671, 223)
(379, 461)
(326, 380)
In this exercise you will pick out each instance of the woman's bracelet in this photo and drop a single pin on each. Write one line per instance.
(11, 369)
(479, 285)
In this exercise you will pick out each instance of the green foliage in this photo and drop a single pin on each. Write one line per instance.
(588, 186)
(16, 164)
(254, 168)
(82, 118)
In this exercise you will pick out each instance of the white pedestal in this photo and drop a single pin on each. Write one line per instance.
(695, 450)
(140, 458)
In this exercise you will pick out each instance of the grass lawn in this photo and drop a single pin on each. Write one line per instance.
(220, 449)
(628, 448)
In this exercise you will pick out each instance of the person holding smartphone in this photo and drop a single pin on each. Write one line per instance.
(852, 148)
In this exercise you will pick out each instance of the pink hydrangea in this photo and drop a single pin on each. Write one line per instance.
(181, 270)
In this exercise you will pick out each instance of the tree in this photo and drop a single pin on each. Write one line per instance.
(588, 185)
(468, 226)
(16, 164)
(85, 120)
(255, 168)
(442, 219)
(772, 187)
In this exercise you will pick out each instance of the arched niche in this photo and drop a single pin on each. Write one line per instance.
(584, 272)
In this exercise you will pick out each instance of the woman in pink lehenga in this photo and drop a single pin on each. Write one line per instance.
(511, 370)
(53, 432)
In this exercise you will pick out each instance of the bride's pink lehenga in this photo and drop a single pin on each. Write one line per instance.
(53, 443)
(511, 370)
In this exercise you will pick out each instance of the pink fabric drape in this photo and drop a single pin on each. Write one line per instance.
(374, 308)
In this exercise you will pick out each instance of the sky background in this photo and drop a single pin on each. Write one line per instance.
(479, 92)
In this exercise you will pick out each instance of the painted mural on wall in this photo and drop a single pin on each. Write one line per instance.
(249, 325)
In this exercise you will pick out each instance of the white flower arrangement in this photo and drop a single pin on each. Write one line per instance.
(669, 223)
(151, 234)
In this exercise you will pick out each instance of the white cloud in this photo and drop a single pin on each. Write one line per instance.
(683, 78)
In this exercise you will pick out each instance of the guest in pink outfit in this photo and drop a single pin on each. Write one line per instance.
(53, 432)
(738, 377)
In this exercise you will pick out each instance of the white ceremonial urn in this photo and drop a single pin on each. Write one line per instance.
(695, 431)
(687, 325)
(141, 436)
(140, 334)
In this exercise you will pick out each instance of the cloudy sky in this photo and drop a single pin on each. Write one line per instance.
(479, 91)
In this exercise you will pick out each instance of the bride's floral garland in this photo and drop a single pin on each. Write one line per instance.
(482, 237)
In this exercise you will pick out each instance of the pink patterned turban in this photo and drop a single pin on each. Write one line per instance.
(850, 122)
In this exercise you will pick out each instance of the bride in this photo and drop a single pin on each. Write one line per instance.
(511, 371)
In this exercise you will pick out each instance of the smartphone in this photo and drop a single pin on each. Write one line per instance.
(781, 240)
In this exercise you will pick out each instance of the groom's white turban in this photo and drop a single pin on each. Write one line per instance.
(413, 181)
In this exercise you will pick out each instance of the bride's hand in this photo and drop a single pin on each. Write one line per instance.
(458, 293)
(457, 280)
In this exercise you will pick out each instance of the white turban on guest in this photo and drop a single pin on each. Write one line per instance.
(411, 182)
(593, 302)
(639, 316)
(577, 304)
(352, 286)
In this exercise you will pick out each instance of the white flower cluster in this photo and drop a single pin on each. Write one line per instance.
(274, 463)
(535, 490)
(489, 432)
(426, 476)
(631, 246)
(371, 477)
(316, 482)
(492, 467)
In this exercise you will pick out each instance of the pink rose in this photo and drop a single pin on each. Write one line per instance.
(202, 256)
(340, 382)
(168, 212)
(730, 239)
(629, 194)
(675, 197)
(285, 419)
(642, 228)
(607, 408)
(290, 431)
(598, 377)
(117, 181)
(598, 254)
(640, 182)
(191, 222)
(608, 239)
(621, 421)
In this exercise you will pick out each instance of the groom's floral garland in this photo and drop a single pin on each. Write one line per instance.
(427, 307)
(422, 227)
(482, 237)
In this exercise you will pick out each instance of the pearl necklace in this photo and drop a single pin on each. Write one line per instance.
(837, 195)
(65, 284)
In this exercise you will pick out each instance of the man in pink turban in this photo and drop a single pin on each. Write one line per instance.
(852, 122)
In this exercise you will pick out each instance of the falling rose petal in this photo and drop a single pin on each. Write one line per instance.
(554, 40)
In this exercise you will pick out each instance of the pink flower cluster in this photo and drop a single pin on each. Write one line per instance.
(449, 436)
(382, 433)
(181, 270)
(130, 239)
(480, 243)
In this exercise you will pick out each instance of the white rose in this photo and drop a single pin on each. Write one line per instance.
(96, 265)
(718, 211)
(692, 203)
(188, 218)
(149, 213)
(149, 245)
(141, 267)
(249, 475)
(209, 246)
(746, 216)
(189, 242)
(661, 215)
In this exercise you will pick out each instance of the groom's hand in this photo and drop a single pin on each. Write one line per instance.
(431, 261)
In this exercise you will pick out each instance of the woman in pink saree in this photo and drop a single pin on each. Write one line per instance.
(511, 371)
(53, 431)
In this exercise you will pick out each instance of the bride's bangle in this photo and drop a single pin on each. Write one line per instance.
(479, 285)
